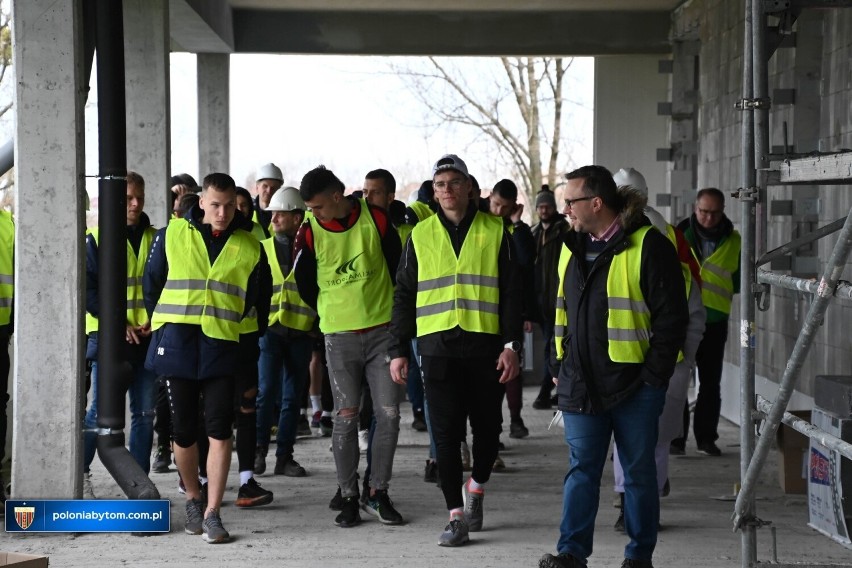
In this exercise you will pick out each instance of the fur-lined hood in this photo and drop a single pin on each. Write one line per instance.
(632, 213)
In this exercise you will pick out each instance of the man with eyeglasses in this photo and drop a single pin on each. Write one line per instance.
(457, 292)
(716, 244)
(621, 315)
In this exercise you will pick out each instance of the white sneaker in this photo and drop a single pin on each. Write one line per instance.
(88, 490)
(363, 439)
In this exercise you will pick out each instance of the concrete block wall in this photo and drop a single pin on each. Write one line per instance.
(719, 27)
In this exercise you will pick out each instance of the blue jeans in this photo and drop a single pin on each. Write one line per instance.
(143, 403)
(282, 376)
(634, 423)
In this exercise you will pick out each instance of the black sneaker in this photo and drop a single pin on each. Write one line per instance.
(194, 516)
(349, 515)
(708, 449)
(162, 460)
(619, 522)
(326, 426)
(251, 494)
(563, 560)
(260, 460)
(213, 531)
(430, 474)
(455, 533)
(542, 403)
(304, 427)
(336, 503)
(518, 430)
(288, 467)
(381, 507)
(634, 563)
(419, 422)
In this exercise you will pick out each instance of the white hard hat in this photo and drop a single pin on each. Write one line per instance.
(269, 171)
(629, 176)
(286, 199)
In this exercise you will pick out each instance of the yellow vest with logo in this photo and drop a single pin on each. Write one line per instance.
(628, 317)
(461, 291)
(717, 270)
(355, 289)
(196, 293)
(7, 266)
(286, 307)
(136, 314)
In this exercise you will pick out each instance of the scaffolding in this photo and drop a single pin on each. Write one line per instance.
(758, 173)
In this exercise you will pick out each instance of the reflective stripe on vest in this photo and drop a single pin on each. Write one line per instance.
(136, 314)
(628, 317)
(7, 266)
(717, 286)
(461, 291)
(197, 293)
(286, 307)
(355, 289)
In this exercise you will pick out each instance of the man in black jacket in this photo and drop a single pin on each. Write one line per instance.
(457, 292)
(620, 321)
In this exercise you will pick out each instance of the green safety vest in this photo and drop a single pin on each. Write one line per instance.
(136, 314)
(717, 288)
(286, 307)
(355, 289)
(7, 266)
(256, 226)
(197, 293)
(628, 317)
(461, 291)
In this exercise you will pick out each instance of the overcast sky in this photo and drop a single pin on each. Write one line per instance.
(350, 113)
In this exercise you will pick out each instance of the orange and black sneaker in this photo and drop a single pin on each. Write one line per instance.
(251, 494)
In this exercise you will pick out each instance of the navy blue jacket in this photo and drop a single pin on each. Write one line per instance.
(182, 350)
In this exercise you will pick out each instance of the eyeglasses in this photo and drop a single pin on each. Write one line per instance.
(571, 202)
(711, 212)
(453, 184)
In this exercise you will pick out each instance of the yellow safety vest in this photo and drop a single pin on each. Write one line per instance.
(7, 266)
(197, 293)
(257, 226)
(136, 314)
(717, 286)
(422, 210)
(461, 291)
(257, 231)
(286, 307)
(355, 289)
(628, 317)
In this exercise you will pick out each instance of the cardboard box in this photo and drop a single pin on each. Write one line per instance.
(793, 449)
(22, 560)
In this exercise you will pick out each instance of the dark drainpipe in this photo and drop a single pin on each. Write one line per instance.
(114, 372)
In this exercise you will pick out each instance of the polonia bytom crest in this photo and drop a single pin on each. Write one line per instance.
(24, 516)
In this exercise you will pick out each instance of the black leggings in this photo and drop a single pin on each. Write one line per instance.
(455, 390)
(218, 393)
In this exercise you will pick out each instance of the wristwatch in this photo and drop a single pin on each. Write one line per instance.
(514, 346)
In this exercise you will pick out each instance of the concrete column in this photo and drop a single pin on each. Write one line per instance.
(214, 121)
(628, 129)
(49, 259)
(146, 58)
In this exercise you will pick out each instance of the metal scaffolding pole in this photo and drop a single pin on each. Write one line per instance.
(747, 195)
(842, 292)
(825, 291)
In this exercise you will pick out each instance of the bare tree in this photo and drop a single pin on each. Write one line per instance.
(522, 115)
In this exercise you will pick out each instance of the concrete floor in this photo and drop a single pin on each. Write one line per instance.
(522, 511)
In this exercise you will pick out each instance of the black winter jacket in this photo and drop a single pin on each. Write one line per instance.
(182, 350)
(548, 245)
(589, 381)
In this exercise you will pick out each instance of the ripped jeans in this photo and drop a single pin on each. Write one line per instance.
(352, 357)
